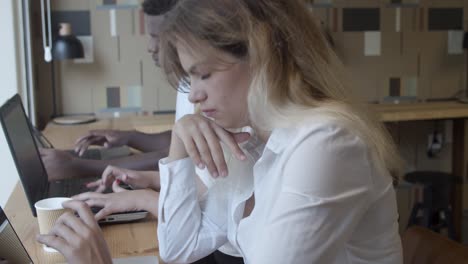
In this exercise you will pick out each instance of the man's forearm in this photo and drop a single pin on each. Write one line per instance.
(140, 161)
(149, 142)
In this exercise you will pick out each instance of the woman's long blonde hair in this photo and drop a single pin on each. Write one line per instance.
(295, 73)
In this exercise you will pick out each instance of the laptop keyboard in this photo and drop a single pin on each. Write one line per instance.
(69, 187)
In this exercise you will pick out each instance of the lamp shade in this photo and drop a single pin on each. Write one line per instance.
(67, 46)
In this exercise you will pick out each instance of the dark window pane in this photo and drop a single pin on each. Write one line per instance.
(445, 19)
(361, 19)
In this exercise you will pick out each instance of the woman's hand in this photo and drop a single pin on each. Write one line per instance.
(79, 239)
(121, 201)
(136, 179)
(200, 138)
(106, 138)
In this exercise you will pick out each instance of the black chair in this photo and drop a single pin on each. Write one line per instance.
(435, 211)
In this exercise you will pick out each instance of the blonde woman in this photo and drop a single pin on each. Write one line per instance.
(321, 190)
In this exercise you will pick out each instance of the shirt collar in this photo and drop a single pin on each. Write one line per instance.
(279, 139)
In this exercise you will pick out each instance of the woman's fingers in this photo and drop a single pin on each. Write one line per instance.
(53, 241)
(87, 196)
(105, 211)
(200, 143)
(83, 211)
(101, 188)
(112, 174)
(229, 139)
(132, 180)
(192, 151)
(109, 175)
(79, 239)
(202, 140)
(68, 227)
(216, 152)
(97, 200)
(116, 188)
(65, 232)
(199, 138)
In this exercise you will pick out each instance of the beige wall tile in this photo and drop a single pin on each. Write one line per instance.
(78, 81)
(100, 23)
(388, 19)
(153, 80)
(409, 19)
(166, 96)
(133, 48)
(124, 20)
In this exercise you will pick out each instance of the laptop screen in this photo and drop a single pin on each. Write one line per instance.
(23, 148)
(11, 248)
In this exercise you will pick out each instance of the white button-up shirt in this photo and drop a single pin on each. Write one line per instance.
(320, 197)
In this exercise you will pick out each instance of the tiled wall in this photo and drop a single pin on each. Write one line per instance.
(117, 73)
(392, 49)
(399, 48)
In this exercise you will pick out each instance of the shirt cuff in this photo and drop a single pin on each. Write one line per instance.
(178, 174)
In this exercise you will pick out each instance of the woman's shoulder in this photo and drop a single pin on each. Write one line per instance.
(323, 155)
(317, 132)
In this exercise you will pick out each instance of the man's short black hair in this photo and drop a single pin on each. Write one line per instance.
(157, 7)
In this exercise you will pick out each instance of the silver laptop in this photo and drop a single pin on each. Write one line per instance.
(31, 169)
(11, 248)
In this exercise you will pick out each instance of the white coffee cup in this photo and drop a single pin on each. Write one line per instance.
(48, 211)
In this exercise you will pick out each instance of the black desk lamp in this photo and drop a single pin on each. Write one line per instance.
(66, 46)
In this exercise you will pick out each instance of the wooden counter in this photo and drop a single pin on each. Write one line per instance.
(421, 111)
(449, 110)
